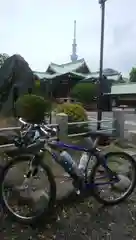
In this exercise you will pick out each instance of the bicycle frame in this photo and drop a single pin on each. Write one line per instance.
(93, 151)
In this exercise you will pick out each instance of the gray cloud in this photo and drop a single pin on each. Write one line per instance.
(42, 31)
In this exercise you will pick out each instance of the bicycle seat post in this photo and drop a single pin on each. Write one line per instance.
(96, 142)
(58, 133)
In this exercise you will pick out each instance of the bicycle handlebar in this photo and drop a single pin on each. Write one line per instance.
(22, 121)
(44, 128)
(49, 129)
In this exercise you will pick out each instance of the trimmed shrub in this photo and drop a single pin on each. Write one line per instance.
(32, 108)
(76, 113)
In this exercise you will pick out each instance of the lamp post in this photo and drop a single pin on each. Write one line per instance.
(99, 105)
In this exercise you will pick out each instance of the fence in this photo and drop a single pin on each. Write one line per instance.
(117, 128)
(117, 122)
(62, 121)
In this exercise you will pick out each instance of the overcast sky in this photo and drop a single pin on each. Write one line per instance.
(42, 31)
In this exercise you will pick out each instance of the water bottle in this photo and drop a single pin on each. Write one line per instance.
(83, 162)
(69, 165)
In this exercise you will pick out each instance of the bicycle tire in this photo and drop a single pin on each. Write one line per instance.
(52, 197)
(94, 189)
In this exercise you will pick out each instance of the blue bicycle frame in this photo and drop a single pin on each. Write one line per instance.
(94, 151)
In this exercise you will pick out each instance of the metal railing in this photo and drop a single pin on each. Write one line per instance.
(89, 123)
(9, 129)
(82, 134)
(6, 146)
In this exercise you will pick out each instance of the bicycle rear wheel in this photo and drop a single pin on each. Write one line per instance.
(18, 191)
(122, 188)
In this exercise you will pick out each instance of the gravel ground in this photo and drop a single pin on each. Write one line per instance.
(83, 220)
(79, 220)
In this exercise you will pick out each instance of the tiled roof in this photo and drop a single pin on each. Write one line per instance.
(48, 76)
(40, 75)
(67, 67)
(96, 75)
(110, 72)
(113, 77)
(72, 67)
(44, 75)
(92, 75)
(107, 72)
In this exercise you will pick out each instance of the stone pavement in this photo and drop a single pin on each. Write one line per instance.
(78, 220)
(63, 183)
(83, 221)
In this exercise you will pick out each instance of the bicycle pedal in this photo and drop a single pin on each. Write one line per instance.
(78, 185)
(78, 192)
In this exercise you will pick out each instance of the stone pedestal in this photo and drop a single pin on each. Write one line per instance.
(62, 121)
(118, 123)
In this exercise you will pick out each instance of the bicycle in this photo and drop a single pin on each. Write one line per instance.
(34, 154)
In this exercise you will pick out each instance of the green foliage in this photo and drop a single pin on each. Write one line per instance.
(32, 108)
(132, 75)
(37, 83)
(85, 92)
(76, 113)
(37, 89)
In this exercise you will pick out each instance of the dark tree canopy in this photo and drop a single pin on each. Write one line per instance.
(14, 72)
(85, 92)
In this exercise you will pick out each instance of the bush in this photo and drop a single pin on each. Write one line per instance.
(76, 113)
(37, 89)
(32, 108)
(85, 92)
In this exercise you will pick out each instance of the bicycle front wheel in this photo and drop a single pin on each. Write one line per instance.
(107, 191)
(27, 197)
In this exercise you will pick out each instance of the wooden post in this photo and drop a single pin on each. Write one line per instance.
(118, 123)
(62, 121)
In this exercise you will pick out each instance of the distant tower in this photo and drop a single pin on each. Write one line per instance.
(74, 56)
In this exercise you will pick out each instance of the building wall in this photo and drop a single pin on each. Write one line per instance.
(128, 100)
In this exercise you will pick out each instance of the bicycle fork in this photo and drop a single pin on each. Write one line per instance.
(28, 177)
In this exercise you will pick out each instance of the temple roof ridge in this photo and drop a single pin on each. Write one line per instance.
(67, 67)
(69, 63)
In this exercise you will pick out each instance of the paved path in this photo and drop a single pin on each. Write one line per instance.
(130, 120)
